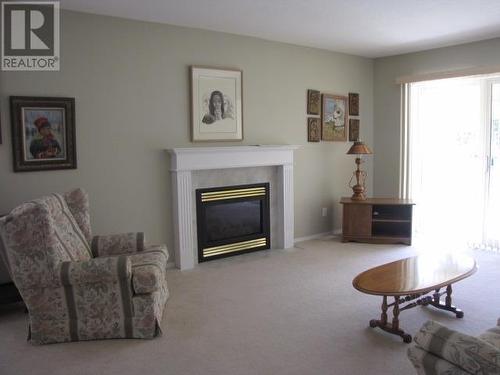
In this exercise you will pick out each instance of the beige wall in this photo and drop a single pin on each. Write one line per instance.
(130, 81)
(387, 98)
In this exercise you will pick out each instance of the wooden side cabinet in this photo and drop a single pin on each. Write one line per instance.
(377, 220)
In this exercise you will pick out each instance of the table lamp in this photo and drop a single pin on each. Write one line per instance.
(358, 148)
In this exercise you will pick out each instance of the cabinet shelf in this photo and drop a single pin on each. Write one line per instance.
(377, 220)
(390, 221)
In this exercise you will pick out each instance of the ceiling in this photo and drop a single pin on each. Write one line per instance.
(370, 28)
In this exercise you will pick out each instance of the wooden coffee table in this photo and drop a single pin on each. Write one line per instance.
(411, 279)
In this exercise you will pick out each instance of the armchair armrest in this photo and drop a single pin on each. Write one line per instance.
(96, 270)
(117, 244)
(466, 352)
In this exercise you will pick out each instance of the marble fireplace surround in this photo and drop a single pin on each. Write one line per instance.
(188, 166)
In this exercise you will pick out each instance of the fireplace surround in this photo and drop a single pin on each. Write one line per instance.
(186, 162)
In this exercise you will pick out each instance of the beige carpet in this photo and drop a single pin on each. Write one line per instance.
(275, 312)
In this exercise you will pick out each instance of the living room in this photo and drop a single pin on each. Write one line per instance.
(133, 128)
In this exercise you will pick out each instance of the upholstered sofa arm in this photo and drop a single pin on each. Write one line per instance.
(97, 270)
(117, 244)
(426, 363)
(468, 353)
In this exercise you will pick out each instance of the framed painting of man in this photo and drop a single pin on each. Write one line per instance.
(43, 133)
(216, 104)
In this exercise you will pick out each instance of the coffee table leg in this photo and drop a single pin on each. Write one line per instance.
(394, 326)
(447, 302)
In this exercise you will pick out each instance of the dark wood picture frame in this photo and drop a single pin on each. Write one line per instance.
(313, 129)
(20, 129)
(353, 104)
(313, 102)
(353, 129)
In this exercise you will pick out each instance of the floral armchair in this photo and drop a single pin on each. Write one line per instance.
(77, 286)
(440, 350)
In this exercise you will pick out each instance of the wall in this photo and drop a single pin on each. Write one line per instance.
(387, 98)
(130, 81)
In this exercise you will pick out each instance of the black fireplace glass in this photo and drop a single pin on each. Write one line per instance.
(228, 220)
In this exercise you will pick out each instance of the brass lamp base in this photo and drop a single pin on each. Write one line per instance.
(359, 193)
(359, 187)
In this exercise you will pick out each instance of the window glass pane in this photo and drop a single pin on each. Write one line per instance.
(447, 160)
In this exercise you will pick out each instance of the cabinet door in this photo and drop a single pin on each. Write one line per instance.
(357, 220)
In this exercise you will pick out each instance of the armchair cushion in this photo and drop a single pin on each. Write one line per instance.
(118, 244)
(468, 353)
(97, 270)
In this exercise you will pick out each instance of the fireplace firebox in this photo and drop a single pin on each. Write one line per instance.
(232, 220)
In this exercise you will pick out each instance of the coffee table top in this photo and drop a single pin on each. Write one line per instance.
(415, 275)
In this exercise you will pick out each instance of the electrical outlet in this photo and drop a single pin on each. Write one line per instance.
(324, 211)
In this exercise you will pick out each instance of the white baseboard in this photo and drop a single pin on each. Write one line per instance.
(313, 236)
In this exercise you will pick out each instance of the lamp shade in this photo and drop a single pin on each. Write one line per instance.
(359, 148)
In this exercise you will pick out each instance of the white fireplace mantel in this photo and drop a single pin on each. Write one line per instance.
(186, 160)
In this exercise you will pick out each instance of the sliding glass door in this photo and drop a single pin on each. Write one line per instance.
(492, 220)
(454, 169)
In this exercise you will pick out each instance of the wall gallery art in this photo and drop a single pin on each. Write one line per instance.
(313, 102)
(353, 104)
(353, 130)
(334, 118)
(43, 133)
(313, 129)
(216, 104)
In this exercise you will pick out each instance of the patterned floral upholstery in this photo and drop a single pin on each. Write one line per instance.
(440, 350)
(71, 294)
(127, 243)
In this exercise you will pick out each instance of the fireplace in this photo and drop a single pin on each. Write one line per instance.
(232, 220)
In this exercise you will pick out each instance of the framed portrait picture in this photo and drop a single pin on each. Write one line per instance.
(353, 130)
(313, 129)
(353, 104)
(334, 118)
(313, 102)
(43, 133)
(216, 104)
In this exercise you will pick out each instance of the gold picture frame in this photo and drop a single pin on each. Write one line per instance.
(334, 118)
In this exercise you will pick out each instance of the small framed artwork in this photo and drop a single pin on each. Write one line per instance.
(313, 102)
(353, 104)
(43, 133)
(353, 130)
(313, 129)
(334, 118)
(216, 104)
